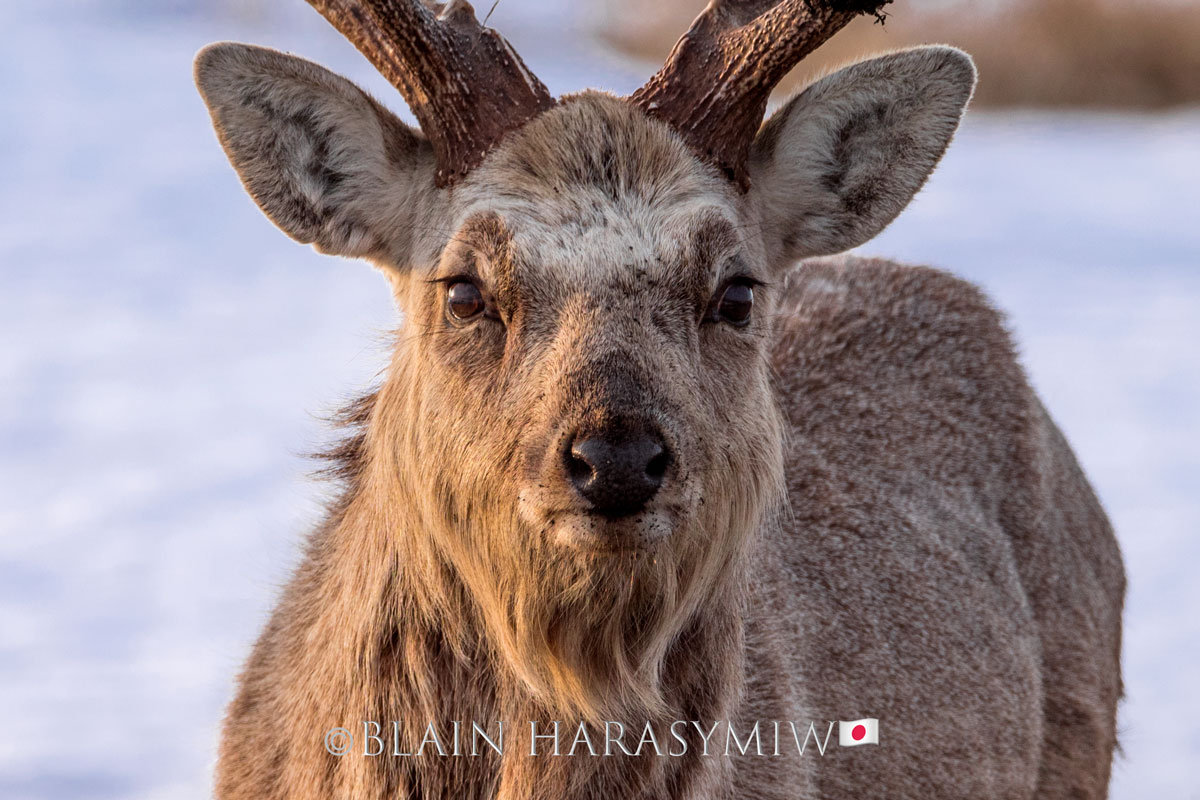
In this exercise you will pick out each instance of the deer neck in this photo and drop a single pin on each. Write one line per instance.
(419, 651)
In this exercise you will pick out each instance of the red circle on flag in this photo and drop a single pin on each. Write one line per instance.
(859, 732)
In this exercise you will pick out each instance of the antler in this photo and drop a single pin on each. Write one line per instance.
(713, 89)
(464, 83)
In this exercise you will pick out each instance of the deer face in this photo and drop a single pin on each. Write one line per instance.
(598, 326)
(590, 308)
(580, 403)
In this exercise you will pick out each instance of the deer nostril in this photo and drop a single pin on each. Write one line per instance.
(657, 467)
(578, 468)
(616, 472)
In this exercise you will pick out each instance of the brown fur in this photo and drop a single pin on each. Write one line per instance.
(868, 512)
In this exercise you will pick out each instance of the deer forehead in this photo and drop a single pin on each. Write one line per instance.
(689, 247)
(594, 192)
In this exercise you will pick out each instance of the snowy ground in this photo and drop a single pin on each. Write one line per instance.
(165, 355)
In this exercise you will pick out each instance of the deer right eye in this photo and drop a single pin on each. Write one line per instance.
(464, 300)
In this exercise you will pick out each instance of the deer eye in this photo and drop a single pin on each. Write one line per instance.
(464, 300)
(735, 304)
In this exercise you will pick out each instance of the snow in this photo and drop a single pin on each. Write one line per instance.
(165, 355)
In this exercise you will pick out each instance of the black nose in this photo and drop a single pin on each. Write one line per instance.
(617, 470)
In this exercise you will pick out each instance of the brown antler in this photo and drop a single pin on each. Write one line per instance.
(464, 83)
(713, 89)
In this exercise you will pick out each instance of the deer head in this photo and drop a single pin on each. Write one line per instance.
(578, 428)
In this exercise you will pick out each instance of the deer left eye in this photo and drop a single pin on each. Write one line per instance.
(464, 300)
(735, 305)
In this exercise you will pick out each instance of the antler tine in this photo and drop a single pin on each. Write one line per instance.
(714, 86)
(464, 83)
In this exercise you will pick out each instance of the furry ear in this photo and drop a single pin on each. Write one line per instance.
(833, 167)
(328, 164)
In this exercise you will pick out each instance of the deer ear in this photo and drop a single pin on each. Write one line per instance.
(833, 167)
(328, 164)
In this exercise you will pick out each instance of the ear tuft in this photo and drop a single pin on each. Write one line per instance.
(323, 160)
(841, 160)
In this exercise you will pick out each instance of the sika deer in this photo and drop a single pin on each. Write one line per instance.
(632, 462)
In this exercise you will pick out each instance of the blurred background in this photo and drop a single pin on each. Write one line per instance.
(167, 357)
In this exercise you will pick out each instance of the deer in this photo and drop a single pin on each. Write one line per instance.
(652, 447)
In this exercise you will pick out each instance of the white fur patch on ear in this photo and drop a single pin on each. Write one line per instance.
(833, 167)
(328, 164)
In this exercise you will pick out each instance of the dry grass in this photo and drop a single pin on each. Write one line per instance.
(1135, 54)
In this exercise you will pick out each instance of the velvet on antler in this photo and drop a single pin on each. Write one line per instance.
(714, 86)
(464, 83)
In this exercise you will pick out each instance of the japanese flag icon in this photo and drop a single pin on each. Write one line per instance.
(860, 731)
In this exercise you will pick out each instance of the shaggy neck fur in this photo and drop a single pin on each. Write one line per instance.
(450, 622)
